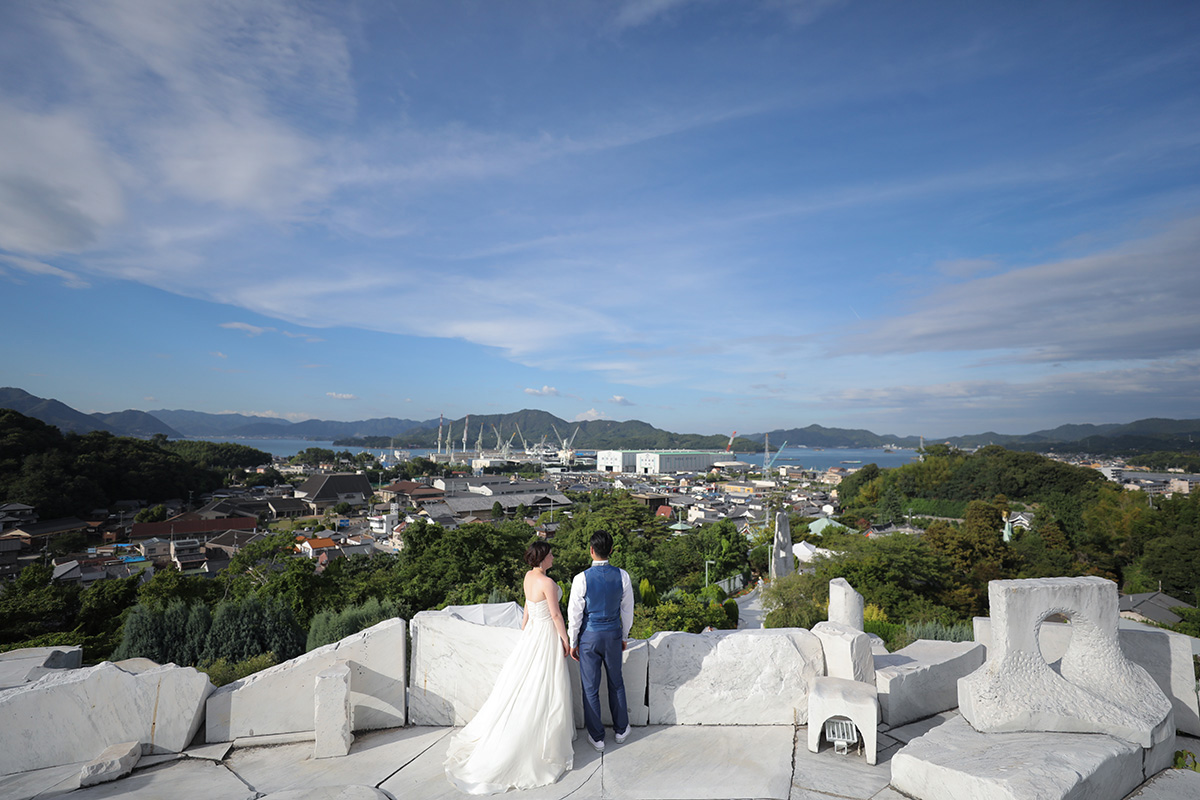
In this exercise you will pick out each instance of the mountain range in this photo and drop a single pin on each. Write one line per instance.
(531, 426)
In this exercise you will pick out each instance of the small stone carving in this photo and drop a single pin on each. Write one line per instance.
(845, 604)
(1096, 688)
(837, 697)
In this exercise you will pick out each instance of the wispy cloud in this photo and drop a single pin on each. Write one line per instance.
(620, 400)
(33, 267)
(545, 391)
(246, 328)
(219, 354)
(340, 396)
(1138, 300)
(589, 415)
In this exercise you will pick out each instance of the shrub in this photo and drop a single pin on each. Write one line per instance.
(894, 634)
(731, 611)
(221, 672)
(332, 626)
(952, 632)
(646, 591)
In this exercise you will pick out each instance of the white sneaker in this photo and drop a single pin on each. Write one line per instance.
(599, 746)
(621, 737)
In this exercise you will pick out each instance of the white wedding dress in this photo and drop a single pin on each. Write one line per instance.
(521, 737)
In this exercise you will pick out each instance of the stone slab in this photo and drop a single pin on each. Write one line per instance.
(921, 680)
(27, 664)
(281, 699)
(1173, 784)
(914, 730)
(425, 776)
(330, 793)
(46, 782)
(1166, 655)
(272, 740)
(181, 779)
(750, 677)
(847, 651)
(846, 775)
(635, 666)
(116, 761)
(372, 759)
(705, 763)
(73, 715)
(454, 667)
(211, 752)
(954, 761)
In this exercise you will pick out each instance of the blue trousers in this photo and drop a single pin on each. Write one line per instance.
(596, 648)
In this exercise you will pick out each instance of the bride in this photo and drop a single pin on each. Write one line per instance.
(521, 737)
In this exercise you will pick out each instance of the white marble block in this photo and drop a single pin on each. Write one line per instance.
(921, 680)
(27, 664)
(747, 677)
(71, 716)
(837, 697)
(454, 665)
(634, 669)
(331, 712)
(783, 560)
(281, 700)
(847, 652)
(953, 761)
(845, 604)
(115, 762)
(1095, 689)
(1165, 655)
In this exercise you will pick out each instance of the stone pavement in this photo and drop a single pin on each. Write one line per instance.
(658, 762)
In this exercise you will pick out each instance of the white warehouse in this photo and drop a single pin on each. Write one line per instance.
(660, 462)
(616, 460)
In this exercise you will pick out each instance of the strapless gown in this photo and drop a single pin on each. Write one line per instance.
(521, 737)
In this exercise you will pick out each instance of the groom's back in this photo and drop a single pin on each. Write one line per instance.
(602, 603)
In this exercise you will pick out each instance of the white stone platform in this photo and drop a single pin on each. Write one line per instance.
(673, 762)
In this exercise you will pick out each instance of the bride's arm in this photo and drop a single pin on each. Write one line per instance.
(551, 594)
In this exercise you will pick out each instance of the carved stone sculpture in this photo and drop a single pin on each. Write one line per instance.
(782, 557)
(1096, 688)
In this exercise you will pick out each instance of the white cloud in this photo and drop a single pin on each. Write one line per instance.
(59, 187)
(246, 328)
(545, 391)
(338, 396)
(620, 400)
(219, 354)
(589, 415)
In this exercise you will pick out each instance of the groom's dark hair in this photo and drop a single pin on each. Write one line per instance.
(602, 543)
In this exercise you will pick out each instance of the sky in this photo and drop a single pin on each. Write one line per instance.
(920, 218)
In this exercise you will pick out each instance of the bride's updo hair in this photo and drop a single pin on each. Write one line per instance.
(537, 553)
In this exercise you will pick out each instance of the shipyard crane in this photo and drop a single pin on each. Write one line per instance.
(479, 441)
(524, 444)
(729, 447)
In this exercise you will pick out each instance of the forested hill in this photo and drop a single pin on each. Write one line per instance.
(72, 474)
(537, 426)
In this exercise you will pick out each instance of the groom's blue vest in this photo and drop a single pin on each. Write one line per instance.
(602, 603)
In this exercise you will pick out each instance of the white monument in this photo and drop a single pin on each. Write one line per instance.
(782, 558)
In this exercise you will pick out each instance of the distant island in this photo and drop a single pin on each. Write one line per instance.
(531, 426)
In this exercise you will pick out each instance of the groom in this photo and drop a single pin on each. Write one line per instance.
(600, 613)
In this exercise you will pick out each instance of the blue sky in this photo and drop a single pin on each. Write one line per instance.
(917, 218)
